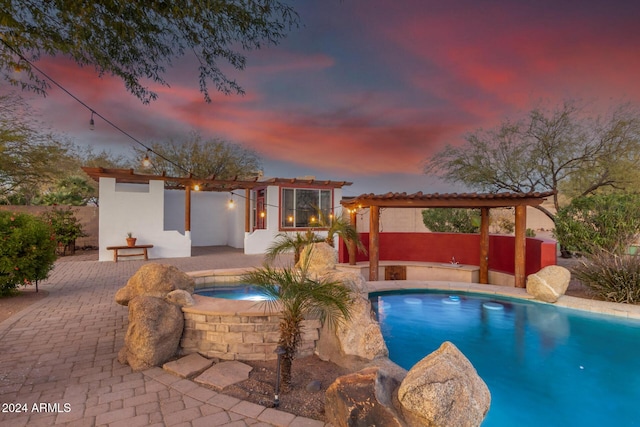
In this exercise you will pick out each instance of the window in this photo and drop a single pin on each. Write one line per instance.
(300, 206)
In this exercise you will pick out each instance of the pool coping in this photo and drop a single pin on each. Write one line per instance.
(629, 311)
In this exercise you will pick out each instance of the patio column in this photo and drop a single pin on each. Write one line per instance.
(374, 241)
(247, 210)
(187, 210)
(484, 245)
(520, 249)
(352, 245)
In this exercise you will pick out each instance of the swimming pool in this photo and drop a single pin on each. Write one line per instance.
(544, 365)
(237, 291)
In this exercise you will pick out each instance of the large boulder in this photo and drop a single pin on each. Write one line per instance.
(549, 284)
(354, 281)
(443, 389)
(156, 280)
(153, 336)
(318, 258)
(362, 399)
(353, 341)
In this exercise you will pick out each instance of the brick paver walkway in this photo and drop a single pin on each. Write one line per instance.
(58, 359)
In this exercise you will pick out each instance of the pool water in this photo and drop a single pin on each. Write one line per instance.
(239, 291)
(544, 365)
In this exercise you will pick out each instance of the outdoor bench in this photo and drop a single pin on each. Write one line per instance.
(117, 254)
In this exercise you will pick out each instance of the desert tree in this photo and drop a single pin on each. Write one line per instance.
(549, 150)
(204, 158)
(139, 41)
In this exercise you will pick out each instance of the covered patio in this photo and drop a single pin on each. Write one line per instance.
(482, 201)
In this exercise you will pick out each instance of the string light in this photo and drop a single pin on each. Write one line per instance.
(146, 162)
(196, 187)
(92, 123)
(232, 203)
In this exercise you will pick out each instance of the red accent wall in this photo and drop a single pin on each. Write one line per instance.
(441, 247)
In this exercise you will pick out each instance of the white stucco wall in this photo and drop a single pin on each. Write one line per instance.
(137, 208)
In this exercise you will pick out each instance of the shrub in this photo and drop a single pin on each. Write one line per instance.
(451, 220)
(608, 222)
(66, 227)
(611, 276)
(27, 252)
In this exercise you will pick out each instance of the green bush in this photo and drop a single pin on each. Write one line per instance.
(603, 222)
(610, 276)
(27, 251)
(451, 220)
(66, 227)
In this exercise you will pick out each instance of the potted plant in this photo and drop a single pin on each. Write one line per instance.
(131, 241)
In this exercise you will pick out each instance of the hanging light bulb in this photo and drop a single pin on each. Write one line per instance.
(232, 203)
(92, 123)
(146, 162)
(196, 187)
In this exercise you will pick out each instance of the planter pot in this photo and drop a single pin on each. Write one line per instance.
(131, 241)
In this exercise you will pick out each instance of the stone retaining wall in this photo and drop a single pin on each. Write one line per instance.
(244, 336)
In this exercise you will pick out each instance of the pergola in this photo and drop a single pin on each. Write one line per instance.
(482, 201)
(210, 183)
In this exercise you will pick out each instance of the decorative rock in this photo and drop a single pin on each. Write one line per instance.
(548, 284)
(155, 280)
(444, 389)
(318, 258)
(155, 328)
(313, 386)
(188, 366)
(180, 297)
(361, 336)
(353, 281)
(362, 399)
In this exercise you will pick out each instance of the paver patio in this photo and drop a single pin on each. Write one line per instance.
(58, 358)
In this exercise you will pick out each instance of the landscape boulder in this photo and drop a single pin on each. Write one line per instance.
(156, 280)
(180, 297)
(318, 258)
(362, 399)
(153, 335)
(443, 389)
(549, 284)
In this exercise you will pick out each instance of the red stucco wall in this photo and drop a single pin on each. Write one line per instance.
(441, 247)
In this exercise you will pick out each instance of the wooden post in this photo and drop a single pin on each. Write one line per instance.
(374, 241)
(247, 210)
(187, 209)
(520, 256)
(484, 245)
(352, 245)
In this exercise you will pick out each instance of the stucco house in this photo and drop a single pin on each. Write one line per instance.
(176, 213)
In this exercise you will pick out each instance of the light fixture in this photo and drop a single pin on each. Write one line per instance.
(262, 214)
(92, 123)
(290, 219)
(196, 187)
(232, 203)
(146, 162)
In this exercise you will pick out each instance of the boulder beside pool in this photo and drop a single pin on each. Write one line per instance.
(444, 389)
(156, 280)
(155, 328)
(549, 284)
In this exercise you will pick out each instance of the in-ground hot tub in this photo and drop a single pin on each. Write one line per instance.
(235, 329)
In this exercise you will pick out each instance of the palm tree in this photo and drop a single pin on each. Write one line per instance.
(286, 242)
(298, 296)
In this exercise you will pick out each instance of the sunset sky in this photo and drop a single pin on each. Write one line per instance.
(366, 90)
